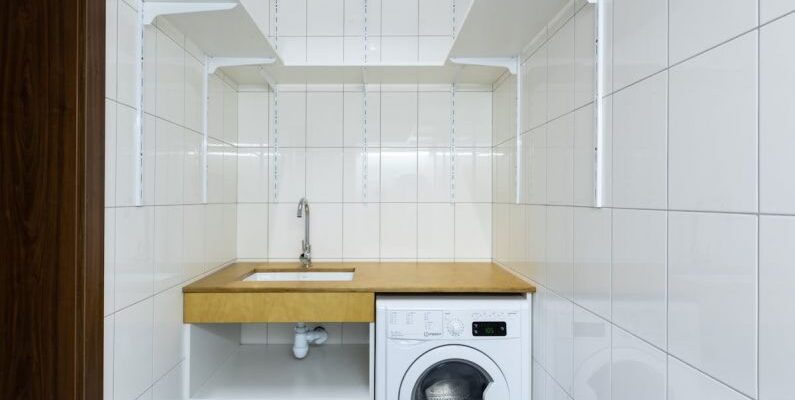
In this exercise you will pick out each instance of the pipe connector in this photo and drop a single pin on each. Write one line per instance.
(304, 337)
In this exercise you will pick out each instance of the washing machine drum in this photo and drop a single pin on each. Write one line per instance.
(454, 373)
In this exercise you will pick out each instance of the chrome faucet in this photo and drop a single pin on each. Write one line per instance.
(306, 248)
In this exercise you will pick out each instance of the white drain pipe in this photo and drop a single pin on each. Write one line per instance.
(304, 337)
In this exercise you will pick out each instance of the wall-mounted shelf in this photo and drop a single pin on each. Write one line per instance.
(356, 74)
(220, 28)
(501, 28)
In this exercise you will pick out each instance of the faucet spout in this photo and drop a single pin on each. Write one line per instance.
(306, 247)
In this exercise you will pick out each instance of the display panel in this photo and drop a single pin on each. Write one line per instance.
(489, 329)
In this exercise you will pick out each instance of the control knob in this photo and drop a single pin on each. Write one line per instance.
(455, 327)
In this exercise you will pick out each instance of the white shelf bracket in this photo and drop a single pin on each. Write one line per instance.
(510, 63)
(268, 77)
(599, 109)
(154, 9)
(220, 62)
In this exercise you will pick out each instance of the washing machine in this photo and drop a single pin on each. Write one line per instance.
(453, 347)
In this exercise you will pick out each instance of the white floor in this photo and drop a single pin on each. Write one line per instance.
(269, 372)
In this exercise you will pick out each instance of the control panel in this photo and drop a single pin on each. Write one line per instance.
(452, 324)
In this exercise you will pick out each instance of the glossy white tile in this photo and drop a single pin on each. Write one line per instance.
(193, 243)
(168, 247)
(535, 166)
(713, 130)
(134, 255)
(434, 175)
(398, 175)
(433, 49)
(560, 72)
(361, 175)
(560, 250)
(194, 92)
(215, 107)
(560, 336)
(472, 175)
(111, 47)
(107, 356)
(435, 17)
(170, 79)
(169, 163)
(397, 50)
(324, 174)
(560, 161)
(697, 25)
(125, 157)
(253, 119)
(399, 17)
(170, 386)
(230, 174)
(293, 18)
(592, 259)
(398, 231)
(434, 119)
(776, 306)
(358, 124)
(640, 144)
(327, 225)
(435, 231)
(776, 120)
(324, 17)
(472, 231)
(592, 355)
(291, 128)
(584, 32)
(771, 9)
(289, 185)
(230, 115)
(687, 383)
(640, 40)
(584, 157)
(399, 119)
(215, 171)
(109, 285)
(126, 48)
(285, 231)
(168, 331)
(638, 370)
(361, 231)
(110, 153)
(324, 118)
(252, 231)
(535, 248)
(712, 309)
(473, 119)
(133, 350)
(253, 175)
(535, 90)
(639, 273)
(192, 164)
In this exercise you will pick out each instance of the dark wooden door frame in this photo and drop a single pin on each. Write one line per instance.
(52, 89)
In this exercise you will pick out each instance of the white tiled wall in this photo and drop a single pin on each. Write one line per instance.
(680, 288)
(333, 32)
(396, 199)
(152, 250)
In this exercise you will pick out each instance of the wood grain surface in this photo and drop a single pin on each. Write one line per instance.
(52, 197)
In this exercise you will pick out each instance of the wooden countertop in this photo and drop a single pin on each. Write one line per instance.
(371, 277)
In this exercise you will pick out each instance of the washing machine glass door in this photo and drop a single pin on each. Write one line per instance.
(454, 373)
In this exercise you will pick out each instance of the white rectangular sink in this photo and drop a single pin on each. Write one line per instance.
(308, 276)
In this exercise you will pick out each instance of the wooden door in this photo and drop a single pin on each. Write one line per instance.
(52, 56)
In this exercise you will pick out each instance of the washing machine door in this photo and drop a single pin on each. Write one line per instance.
(454, 372)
